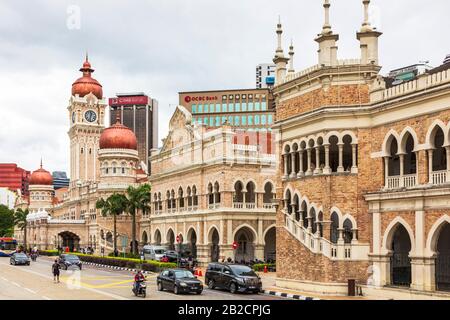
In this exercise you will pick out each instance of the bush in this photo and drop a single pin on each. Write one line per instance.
(49, 253)
(146, 265)
(260, 267)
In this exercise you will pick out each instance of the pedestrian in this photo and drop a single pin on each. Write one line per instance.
(55, 270)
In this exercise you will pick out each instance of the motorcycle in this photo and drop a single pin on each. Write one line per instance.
(140, 289)
(33, 256)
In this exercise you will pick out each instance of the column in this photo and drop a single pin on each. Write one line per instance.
(386, 172)
(285, 162)
(354, 236)
(327, 169)
(354, 159)
(293, 173)
(309, 171)
(341, 158)
(430, 166)
(317, 170)
(301, 172)
(402, 170)
(447, 149)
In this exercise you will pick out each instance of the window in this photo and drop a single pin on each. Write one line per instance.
(250, 96)
(244, 96)
(257, 106)
(250, 107)
(238, 97)
(211, 121)
(269, 119)
(250, 120)
(263, 119)
(244, 106)
(230, 97)
(224, 97)
(263, 106)
(236, 120)
(230, 120)
(224, 108)
(205, 121)
(238, 107)
(200, 108)
(218, 107)
(244, 120)
(206, 109)
(257, 119)
(217, 121)
(231, 107)
(194, 108)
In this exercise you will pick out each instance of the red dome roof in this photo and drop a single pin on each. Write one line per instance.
(118, 137)
(86, 84)
(41, 177)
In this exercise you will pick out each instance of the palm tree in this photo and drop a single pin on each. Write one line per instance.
(114, 205)
(138, 198)
(20, 220)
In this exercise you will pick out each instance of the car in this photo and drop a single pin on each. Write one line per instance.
(232, 277)
(154, 252)
(179, 281)
(172, 255)
(67, 261)
(19, 258)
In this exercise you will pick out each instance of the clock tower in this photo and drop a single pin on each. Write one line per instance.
(86, 115)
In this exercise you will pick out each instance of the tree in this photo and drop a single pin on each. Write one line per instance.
(20, 220)
(138, 198)
(6, 221)
(114, 205)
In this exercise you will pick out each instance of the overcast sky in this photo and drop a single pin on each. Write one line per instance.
(162, 47)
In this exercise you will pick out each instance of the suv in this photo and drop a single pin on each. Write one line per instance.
(233, 277)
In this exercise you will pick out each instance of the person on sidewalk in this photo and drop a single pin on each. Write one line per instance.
(55, 270)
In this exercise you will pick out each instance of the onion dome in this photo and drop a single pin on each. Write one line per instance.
(41, 177)
(86, 84)
(118, 136)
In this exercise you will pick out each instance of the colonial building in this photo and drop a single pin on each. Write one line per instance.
(102, 162)
(212, 187)
(365, 173)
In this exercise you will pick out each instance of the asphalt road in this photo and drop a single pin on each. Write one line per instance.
(35, 282)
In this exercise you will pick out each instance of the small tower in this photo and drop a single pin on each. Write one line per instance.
(327, 40)
(291, 58)
(368, 38)
(280, 60)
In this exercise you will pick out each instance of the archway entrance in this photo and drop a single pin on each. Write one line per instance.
(171, 240)
(270, 245)
(443, 259)
(400, 261)
(192, 245)
(157, 237)
(246, 249)
(215, 250)
(71, 240)
(144, 238)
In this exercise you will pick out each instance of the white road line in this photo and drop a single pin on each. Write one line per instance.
(4, 279)
(16, 284)
(29, 290)
(46, 298)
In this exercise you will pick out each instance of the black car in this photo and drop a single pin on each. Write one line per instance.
(172, 255)
(233, 277)
(19, 258)
(179, 281)
(67, 261)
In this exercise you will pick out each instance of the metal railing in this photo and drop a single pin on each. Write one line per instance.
(439, 177)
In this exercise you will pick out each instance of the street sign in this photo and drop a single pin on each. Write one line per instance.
(235, 245)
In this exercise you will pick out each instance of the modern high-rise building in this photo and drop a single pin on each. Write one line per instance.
(14, 177)
(138, 112)
(265, 75)
(250, 109)
(60, 180)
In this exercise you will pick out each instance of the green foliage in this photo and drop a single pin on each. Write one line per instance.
(50, 253)
(138, 198)
(20, 220)
(6, 221)
(146, 265)
(260, 267)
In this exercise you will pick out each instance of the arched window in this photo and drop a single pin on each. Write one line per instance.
(439, 152)
(172, 198)
(210, 194)
(321, 158)
(347, 153)
(394, 159)
(295, 204)
(287, 160)
(312, 215)
(180, 197)
(334, 232)
(288, 202)
(409, 160)
(155, 202)
(114, 167)
(304, 157)
(304, 214)
(169, 202)
(238, 194)
(268, 193)
(250, 195)
(296, 156)
(160, 201)
(189, 196)
(216, 192)
(320, 220)
(348, 232)
(194, 196)
(313, 164)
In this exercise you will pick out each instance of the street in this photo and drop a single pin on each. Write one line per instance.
(35, 282)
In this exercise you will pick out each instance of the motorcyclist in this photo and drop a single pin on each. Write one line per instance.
(138, 279)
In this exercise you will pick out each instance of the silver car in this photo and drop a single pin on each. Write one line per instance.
(154, 252)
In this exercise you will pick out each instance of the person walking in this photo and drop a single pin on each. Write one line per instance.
(55, 270)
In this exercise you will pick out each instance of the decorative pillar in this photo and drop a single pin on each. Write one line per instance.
(386, 172)
(285, 162)
(354, 159)
(309, 171)
(317, 170)
(447, 149)
(402, 170)
(327, 169)
(354, 236)
(430, 166)
(293, 173)
(341, 158)
(301, 172)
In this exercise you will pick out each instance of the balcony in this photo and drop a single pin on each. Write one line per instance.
(397, 182)
(213, 206)
(438, 177)
(410, 180)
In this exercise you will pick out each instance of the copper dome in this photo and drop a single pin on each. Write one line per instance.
(41, 177)
(118, 137)
(86, 84)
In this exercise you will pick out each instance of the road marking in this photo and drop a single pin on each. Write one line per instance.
(4, 279)
(16, 284)
(46, 298)
(29, 290)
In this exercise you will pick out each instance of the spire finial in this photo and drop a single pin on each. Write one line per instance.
(366, 24)
(327, 27)
(279, 51)
(87, 56)
(118, 118)
(291, 57)
(41, 162)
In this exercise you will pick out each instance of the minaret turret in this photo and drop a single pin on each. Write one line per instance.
(368, 38)
(280, 60)
(327, 40)
(291, 58)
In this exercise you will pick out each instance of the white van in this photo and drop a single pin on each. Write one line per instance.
(154, 252)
